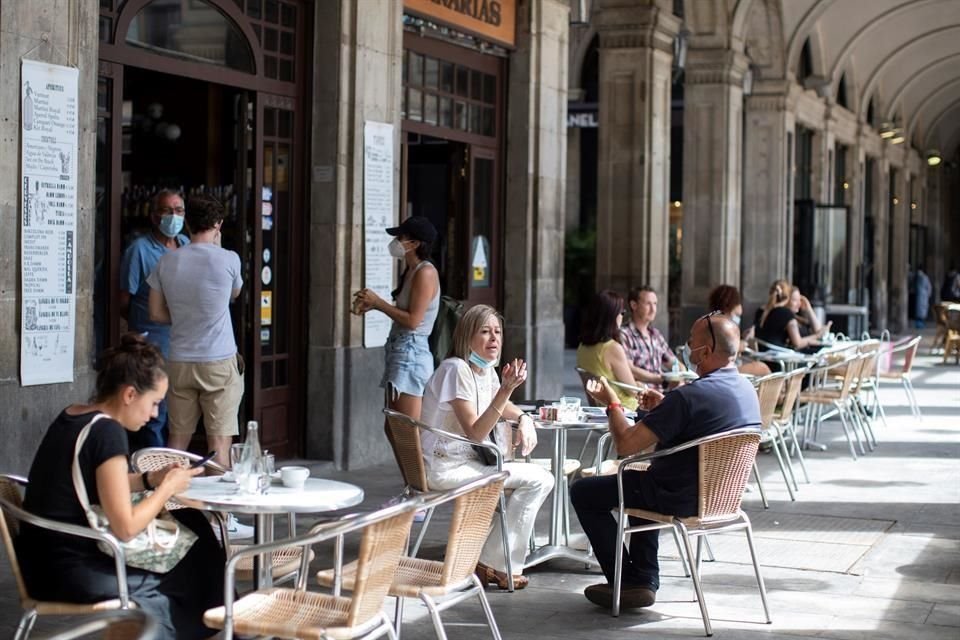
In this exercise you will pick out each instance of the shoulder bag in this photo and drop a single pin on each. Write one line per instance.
(158, 548)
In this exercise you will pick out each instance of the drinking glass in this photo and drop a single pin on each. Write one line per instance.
(236, 457)
(569, 409)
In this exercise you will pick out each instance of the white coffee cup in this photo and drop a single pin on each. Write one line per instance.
(294, 477)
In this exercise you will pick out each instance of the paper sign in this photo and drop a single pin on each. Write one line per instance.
(48, 219)
(266, 308)
(377, 216)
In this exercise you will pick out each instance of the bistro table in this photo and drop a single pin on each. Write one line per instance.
(318, 495)
(554, 548)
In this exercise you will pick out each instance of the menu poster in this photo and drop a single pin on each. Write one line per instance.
(377, 216)
(48, 218)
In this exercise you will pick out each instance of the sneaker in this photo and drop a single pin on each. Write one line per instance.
(631, 596)
(235, 529)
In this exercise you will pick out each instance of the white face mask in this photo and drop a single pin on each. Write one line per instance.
(736, 319)
(396, 249)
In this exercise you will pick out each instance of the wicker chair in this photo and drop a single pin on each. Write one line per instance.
(908, 347)
(405, 432)
(951, 343)
(725, 463)
(11, 515)
(768, 392)
(297, 613)
(441, 585)
(784, 418)
(128, 624)
(821, 395)
(286, 564)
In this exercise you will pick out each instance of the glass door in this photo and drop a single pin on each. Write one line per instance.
(483, 270)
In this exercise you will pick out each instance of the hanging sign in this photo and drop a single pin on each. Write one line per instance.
(490, 19)
(377, 216)
(48, 219)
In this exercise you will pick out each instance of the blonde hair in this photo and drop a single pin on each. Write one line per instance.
(779, 297)
(468, 326)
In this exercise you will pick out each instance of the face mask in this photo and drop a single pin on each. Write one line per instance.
(171, 225)
(476, 360)
(396, 249)
(736, 319)
(696, 363)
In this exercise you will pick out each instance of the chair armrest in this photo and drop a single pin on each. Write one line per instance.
(119, 558)
(463, 440)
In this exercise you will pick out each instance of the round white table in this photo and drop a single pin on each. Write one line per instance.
(318, 495)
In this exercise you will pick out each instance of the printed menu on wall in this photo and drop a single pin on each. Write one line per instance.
(377, 216)
(48, 219)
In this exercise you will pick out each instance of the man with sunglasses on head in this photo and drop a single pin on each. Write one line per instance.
(720, 400)
(138, 262)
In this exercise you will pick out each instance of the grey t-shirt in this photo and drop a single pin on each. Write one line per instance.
(197, 281)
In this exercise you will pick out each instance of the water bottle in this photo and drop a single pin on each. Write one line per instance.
(251, 464)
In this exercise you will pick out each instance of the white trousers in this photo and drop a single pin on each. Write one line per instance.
(527, 487)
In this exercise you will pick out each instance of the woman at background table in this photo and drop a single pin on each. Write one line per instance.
(409, 362)
(726, 299)
(60, 567)
(465, 397)
(600, 351)
(778, 323)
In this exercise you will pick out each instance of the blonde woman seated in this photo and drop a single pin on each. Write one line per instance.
(465, 397)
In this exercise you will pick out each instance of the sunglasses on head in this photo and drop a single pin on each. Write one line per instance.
(713, 337)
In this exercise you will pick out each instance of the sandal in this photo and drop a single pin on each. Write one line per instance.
(489, 575)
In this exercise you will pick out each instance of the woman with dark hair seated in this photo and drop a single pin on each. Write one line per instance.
(599, 352)
(130, 384)
(726, 299)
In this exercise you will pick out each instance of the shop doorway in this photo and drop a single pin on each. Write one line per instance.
(205, 98)
(451, 162)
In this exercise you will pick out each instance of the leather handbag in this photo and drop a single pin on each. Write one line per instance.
(158, 548)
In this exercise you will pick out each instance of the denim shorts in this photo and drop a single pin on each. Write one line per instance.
(409, 363)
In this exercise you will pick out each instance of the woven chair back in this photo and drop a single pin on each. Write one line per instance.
(871, 348)
(10, 528)
(381, 546)
(405, 439)
(768, 392)
(469, 526)
(156, 459)
(850, 374)
(792, 384)
(910, 354)
(725, 465)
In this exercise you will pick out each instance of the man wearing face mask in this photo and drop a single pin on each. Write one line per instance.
(720, 400)
(139, 261)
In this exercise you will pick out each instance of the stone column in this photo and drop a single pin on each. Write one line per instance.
(881, 198)
(534, 221)
(573, 214)
(357, 58)
(62, 32)
(712, 156)
(636, 53)
(900, 210)
(766, 232)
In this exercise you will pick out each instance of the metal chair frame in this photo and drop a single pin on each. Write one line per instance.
(415, 490)
(13, 509)
(702, 525)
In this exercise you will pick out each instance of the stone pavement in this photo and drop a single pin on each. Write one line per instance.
(870, 549)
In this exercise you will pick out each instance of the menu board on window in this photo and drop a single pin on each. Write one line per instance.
(377, 216)
(48, 222)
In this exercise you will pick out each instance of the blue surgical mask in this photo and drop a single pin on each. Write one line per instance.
(476, 360)
(171, 225)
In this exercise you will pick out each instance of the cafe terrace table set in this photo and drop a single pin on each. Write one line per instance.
(318, 495)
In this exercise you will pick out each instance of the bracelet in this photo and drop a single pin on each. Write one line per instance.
(614, 405)
(146, 483)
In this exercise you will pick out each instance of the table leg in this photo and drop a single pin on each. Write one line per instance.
(553, 549)
(263, 564)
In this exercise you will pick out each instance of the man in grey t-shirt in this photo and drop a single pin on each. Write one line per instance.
(191, 289)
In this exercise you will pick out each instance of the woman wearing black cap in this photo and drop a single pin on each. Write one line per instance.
(409, 363)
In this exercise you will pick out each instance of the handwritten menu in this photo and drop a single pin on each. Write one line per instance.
(377, 216)
(48, 218)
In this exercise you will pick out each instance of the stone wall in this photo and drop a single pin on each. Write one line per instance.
(60, 32)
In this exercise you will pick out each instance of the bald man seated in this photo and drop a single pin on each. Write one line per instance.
(720, 400)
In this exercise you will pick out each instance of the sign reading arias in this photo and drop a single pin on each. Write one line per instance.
(493, 20)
